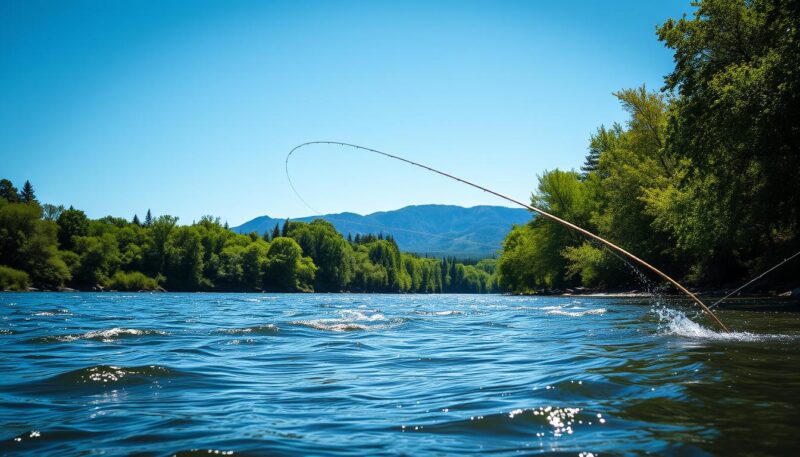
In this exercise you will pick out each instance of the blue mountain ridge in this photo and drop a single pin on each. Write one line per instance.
(433, 230)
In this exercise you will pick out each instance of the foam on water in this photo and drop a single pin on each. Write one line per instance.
(106, 336)
(675, 322)
(348, 320)
(449, 312)
(266, 329)
(333, 326)
(562, 312)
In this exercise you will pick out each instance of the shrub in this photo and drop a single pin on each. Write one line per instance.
(11, 279)
(131, 281)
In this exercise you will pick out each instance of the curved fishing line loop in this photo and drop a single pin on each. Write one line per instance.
(390, 230)
(524, 205)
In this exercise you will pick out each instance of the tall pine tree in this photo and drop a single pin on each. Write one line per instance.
(600, 142)
(276, 232)
(148, 219)
(27, 195)
(136, 220)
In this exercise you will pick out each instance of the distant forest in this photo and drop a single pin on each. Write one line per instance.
(702, 180)
(51, 247)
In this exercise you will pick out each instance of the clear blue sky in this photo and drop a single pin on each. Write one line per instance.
(189, 107)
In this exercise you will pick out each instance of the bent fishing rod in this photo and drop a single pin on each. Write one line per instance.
(552, 217)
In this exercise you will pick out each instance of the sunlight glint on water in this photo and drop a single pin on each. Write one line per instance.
(389, 374)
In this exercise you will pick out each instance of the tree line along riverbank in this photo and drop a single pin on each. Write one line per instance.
(702, 179)
(50, 247)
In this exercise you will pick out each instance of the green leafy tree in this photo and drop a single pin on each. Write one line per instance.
(734, 127)
(132, 281)
(386, 254)
(254, 263)
(159, 231)
(331, 254)
(8, 191)
(29, 244)
(12, 279)
(51, 212)
(183, 259)
(287, 269)
(634, 163)
(99, 259)
(71, 223)
(602, 141)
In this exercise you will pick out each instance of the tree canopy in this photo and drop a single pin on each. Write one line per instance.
(702, 178)
(47, 246)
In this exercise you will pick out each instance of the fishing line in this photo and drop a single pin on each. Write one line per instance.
(389, 229)
(529, 207)
(754, 279)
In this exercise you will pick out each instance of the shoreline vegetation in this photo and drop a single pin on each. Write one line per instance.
(49, 247)
(702, 181)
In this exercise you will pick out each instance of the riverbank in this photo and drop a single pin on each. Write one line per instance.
(790, 294)
(782, 292)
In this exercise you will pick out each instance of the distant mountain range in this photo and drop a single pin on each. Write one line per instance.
(434, 230)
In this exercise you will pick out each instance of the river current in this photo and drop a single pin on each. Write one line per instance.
(341, 374)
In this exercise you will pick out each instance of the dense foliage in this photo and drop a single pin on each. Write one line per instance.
(49, 247)
(702, 180)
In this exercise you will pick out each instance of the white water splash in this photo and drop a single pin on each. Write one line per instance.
(674, 322)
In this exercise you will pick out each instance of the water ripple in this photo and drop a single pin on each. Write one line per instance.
(283, 374)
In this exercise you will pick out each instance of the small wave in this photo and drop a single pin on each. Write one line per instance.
(674, 322)
(267, 329)
(6, 331)
(449, 312)
(52, 312)
(549, 308)
(541, 421)
(238, 342)
(561, 312)
(350, 320)
(27, 436)
(110, 373)
(335, 325)
(106, 336)
(87, 380)
(202, 452)
(358, 315)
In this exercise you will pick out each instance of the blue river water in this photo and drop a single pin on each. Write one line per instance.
(340, 374)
